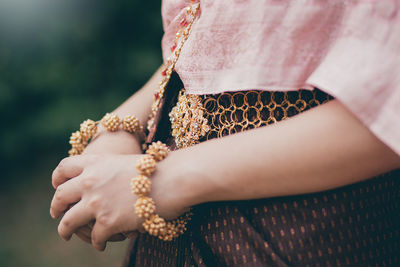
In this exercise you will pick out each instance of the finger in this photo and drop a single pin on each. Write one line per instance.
(131, 235)
(101, 232)
(85, 230)
(67, 168)
(73, 219)
(83, 236)
(66, 195)
(117, 238)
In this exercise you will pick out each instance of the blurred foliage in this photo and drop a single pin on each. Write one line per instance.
(64, 61)
(61, 62)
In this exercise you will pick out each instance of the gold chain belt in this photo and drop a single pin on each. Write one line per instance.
(197, 118)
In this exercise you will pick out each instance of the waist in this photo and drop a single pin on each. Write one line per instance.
(197, 118)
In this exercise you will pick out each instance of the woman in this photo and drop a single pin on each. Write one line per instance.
(308, 190)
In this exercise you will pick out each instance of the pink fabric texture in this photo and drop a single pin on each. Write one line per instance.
(347, 48)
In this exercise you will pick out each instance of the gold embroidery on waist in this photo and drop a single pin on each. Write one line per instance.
(199, 118)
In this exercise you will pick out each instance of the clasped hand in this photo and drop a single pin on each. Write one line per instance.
(95, 189)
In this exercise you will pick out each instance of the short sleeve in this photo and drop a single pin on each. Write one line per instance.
(362, 67)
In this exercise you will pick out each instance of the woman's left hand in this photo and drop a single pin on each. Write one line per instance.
(95, 188)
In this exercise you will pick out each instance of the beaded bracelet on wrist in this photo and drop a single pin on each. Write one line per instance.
(88, 129)
(145, 207)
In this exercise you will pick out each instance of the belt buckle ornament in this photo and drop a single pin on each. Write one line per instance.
(187, 122)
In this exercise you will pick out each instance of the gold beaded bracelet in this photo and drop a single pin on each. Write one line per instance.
(145, 207)
(88, 129)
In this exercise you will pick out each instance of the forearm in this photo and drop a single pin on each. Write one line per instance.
(320, 149)
(138, 105)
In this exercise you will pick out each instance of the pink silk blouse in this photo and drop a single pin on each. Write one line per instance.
(347, 48)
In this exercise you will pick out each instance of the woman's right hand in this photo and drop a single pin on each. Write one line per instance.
(110, 143)
(121, 142)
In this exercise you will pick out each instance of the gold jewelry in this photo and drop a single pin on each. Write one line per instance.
(145, 206)
(183, 34)
(146, 165)
(131, 124)
(195, 118)
(88, 129)
(141, 185)
(187, 122)
(158, 151)
(111, 122)
(155, 225)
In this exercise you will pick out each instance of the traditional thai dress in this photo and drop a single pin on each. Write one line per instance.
(252, 63)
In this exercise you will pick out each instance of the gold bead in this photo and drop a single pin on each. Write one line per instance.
(141, 185)
(146, 165)
(131, 124)
(158, 151)
(74, 152)
(145, 207)
(88, 129)
(181, 226)
(155, 225)
(77, 143)
(75, 139)
(111, 122)
(170, 232)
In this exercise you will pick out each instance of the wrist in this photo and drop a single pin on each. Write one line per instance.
(172, 222)
(89, 130)
(179, 181)
(119, 142)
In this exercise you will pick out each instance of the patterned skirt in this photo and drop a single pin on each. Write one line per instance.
(355, 225)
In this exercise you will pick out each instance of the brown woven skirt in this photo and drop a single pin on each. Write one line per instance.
(355, 225)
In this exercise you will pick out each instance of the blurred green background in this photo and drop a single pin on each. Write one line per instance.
(60, 63)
